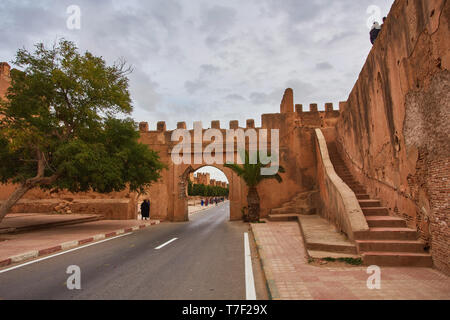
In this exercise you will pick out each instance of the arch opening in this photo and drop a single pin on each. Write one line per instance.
(204, 187)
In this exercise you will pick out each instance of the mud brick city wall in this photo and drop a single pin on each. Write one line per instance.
(394, 129)
(296, 144)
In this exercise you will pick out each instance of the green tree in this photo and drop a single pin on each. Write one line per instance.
(190, 188)
(207, 191)
(63, 126)
(251, 174)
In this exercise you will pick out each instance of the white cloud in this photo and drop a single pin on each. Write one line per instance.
(209, 60)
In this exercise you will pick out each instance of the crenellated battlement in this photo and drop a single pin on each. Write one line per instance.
(161, 126)
(5, 69)
(308, 119)
(313, 108)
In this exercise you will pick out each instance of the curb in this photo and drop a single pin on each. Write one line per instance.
(270, 282)
(70, 245)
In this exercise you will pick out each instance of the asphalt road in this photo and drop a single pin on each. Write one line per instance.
(205, 262)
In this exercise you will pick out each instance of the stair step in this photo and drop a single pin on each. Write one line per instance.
(371, 203)
(293, 204)
(385, 222)
(375, 211)
(293, 210)
(355, 186)
(345, 176)
(343, 171)
(362, 196)
(390, 234)
(331, 247)
(397, 259)
(414, 246)
(282, 217)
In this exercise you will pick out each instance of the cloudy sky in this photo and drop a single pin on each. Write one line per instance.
(203, 60)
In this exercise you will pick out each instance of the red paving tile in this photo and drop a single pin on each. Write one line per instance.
(291, 277)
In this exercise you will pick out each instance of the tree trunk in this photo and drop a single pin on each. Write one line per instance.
(253, 204)
(13, 198)
(40, 179)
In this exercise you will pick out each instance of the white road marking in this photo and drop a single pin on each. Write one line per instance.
(165, 244)
(61, 253)
(249, 280)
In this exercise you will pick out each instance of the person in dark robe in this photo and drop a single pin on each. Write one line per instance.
(145, 210)
(376, 28)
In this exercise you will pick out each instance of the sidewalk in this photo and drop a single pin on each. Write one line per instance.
(15, 248)
(290, 276)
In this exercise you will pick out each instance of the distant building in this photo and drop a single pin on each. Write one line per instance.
(205, 178)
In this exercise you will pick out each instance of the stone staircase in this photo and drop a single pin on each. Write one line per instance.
(301, 204)
(321, 238)
(388, 242)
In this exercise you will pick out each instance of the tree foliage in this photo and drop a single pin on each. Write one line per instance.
(207, 191)
(64, 125)
(251, 174)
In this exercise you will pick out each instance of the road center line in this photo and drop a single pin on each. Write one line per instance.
(61, 253)
(249, 280)
(165, 244)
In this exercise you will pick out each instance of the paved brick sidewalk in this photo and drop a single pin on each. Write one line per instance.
(290, 277)
(17, 248)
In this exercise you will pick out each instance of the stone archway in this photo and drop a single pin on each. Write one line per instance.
(235, 195)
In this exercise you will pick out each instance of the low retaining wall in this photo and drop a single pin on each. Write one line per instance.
(339, 204)
(111, 209)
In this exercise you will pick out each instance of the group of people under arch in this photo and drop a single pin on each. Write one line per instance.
(211, 201)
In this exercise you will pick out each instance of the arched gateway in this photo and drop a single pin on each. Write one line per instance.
(296, 154)
(169, 196)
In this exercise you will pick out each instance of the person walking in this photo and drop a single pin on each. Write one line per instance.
(145, 210)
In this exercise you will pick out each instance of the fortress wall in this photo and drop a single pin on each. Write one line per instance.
(394, 128)
(296, 135)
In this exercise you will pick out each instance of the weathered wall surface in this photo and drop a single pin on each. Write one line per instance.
(113, 206)
(394, 130)
(4, 78)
